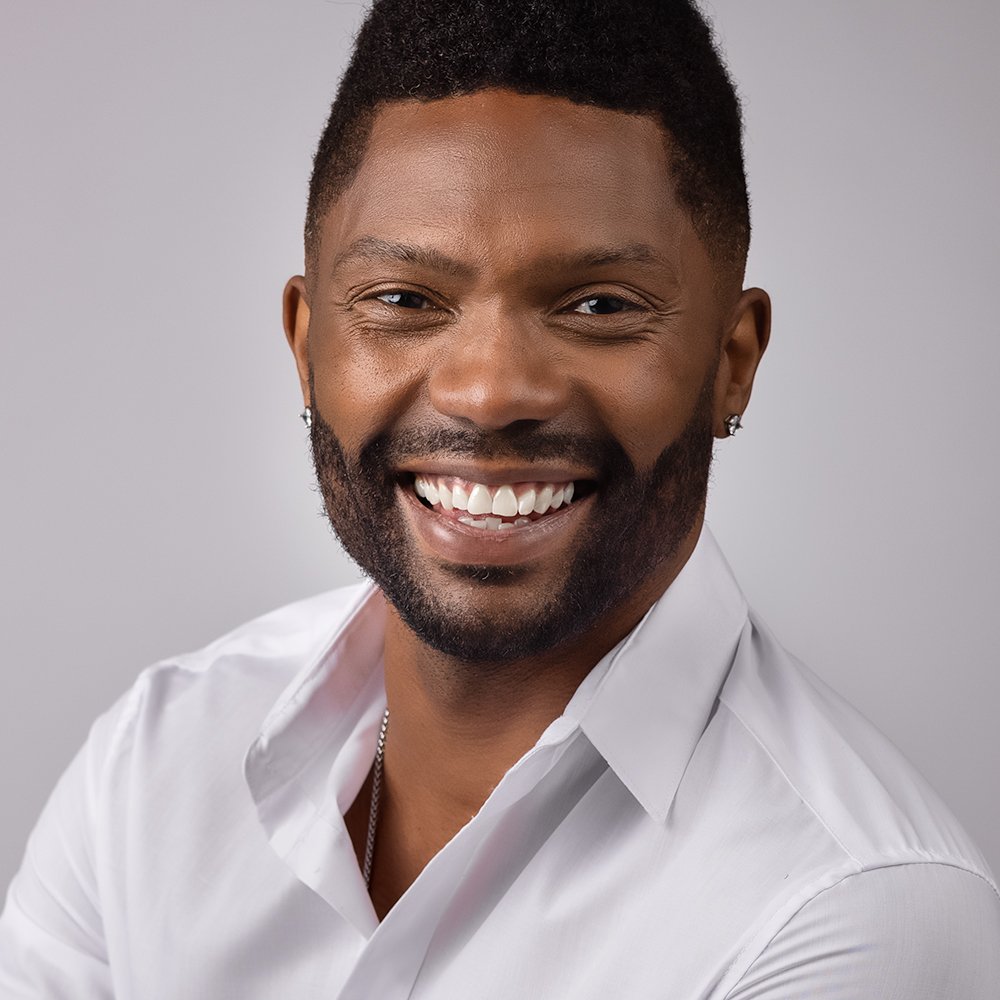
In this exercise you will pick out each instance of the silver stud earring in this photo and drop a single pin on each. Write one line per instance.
(733, 424)
(307, 417)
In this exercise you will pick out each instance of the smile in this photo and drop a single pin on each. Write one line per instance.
(458, 518)
(492, 508)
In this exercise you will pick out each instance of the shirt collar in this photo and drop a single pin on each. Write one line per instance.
(659, 687)
(643, 707)
(324, 704)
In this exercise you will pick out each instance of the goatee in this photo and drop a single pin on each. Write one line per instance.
(638, 520)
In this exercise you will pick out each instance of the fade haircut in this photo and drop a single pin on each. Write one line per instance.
(647, 57)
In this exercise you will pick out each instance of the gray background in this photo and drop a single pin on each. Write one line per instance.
(156, 489)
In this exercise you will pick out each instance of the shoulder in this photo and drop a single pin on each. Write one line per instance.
(290, 631)
(177, 736)
(870, 799)
(901, 932)
(883, 887)
(221, 692)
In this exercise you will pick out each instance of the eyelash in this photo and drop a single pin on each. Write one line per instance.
(627, 305)
(401, 292)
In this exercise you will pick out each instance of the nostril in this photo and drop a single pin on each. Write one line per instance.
(499, 393)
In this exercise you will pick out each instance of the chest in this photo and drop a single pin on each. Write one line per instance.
(583, 897)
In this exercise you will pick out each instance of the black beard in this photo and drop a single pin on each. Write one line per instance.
(638, 521)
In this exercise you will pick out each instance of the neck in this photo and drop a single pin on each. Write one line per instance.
(456, 728)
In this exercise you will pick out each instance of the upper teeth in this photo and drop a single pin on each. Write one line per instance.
(504, 501)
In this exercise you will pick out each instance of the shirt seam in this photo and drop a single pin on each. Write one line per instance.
(791, 784)
(958, 861)
(744, 966)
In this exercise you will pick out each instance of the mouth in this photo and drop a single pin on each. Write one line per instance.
(458, 520)
(495, 507)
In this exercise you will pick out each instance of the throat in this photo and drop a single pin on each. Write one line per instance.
(454, 731)
(456, 728)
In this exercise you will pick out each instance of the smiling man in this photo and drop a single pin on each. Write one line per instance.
(547, 751)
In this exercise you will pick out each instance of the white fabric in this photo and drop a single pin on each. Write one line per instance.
(706, 820)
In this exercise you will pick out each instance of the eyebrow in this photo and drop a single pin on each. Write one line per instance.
(374, 248)
(628, 253)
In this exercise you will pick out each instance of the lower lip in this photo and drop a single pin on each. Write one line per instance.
(450, 540)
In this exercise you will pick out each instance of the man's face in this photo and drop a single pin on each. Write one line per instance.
(508, 306)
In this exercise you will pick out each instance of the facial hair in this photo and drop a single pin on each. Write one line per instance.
(638, 520)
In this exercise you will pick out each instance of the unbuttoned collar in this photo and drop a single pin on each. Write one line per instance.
(661, 684)
(644, 707)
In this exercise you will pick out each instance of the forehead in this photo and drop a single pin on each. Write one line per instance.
(495, 169)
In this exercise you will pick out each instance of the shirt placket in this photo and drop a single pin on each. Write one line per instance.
(388, 966)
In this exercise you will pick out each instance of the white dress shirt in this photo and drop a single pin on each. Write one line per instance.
(705, 820)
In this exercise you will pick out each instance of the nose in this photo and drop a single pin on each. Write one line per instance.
(495, 371)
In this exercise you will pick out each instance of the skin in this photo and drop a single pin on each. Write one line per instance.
(505, 185)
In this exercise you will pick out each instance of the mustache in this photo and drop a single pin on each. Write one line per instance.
(388, 450)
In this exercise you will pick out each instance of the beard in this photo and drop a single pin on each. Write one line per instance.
(638, 520)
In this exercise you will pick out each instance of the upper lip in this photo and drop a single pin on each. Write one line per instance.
(497, 475)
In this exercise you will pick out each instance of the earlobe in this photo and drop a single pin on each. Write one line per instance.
(742, 348)
(295, 316)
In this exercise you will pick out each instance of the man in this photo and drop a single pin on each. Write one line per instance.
(548, 752)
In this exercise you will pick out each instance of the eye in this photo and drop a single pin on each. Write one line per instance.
(405, 300)
(602, 305)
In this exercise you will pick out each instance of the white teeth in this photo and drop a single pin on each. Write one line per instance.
(543, 500)
(505, 502)
(494, 523)
(480, 501)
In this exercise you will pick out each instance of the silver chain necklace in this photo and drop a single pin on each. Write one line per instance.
(376, 794)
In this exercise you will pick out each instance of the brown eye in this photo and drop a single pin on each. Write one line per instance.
(602, 305)
(405, 300)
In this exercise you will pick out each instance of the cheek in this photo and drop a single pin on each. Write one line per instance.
(645, 398)
(362, 384)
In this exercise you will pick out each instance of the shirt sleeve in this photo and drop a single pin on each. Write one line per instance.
(907, 932)
(52, 942)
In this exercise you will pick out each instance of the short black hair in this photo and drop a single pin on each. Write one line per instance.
(649, 57)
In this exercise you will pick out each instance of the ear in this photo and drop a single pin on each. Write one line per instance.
(295, 315)
(743, 345)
